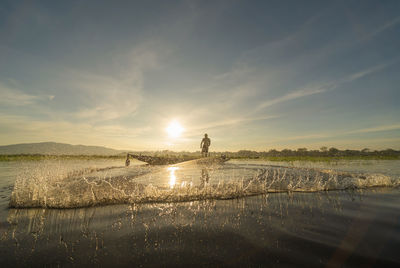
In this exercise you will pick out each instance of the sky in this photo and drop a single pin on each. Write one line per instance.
(255, 75)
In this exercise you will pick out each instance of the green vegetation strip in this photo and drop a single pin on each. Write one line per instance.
(322, 158)
(5, 158)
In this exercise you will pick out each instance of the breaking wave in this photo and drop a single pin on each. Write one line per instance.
(54, 187)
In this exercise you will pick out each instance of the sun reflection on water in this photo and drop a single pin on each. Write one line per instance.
(172, 176)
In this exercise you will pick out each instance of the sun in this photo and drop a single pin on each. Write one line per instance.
(174, 129)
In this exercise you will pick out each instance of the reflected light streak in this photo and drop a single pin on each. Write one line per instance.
(172, 177)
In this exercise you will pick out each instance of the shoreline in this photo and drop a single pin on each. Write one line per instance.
(38, 157)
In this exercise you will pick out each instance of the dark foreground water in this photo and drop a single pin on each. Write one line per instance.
(352, 228)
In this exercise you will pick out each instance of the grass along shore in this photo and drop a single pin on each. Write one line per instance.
(322, 158)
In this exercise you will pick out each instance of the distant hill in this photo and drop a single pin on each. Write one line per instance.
(53, 148)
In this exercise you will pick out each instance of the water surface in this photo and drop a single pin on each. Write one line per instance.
(357, 226)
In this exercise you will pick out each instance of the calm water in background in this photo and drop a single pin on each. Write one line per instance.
(350, 228)
(387, 167)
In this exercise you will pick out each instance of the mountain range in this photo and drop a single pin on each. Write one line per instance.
(54, 148)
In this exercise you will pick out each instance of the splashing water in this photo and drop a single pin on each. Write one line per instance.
(57, 186)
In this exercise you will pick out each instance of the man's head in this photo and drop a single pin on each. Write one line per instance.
(205, 135)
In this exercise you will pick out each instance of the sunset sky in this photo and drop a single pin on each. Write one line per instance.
(252, 74)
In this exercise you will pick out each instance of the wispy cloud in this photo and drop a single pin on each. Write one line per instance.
(118, 93)
(375, 129)
(17, 128)
(365, 72)
(106, 97)
(384, 27)
(291, 96)
(331, 135)
(15, 97)
(228, 122)
(304, 92)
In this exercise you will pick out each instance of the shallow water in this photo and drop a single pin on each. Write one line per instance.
(354, 227)
(50, 184)
(386, 167)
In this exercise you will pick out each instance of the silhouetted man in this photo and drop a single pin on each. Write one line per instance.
(205, 143)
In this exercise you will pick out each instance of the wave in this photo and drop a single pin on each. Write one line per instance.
(49, 187)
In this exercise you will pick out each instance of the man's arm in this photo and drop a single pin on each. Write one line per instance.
(201, 143)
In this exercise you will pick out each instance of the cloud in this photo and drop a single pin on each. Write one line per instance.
(329, 135)
(228, 122)
(15, 97)
(365, 72)
(106, 97)
(384, 27)
(78, 105)
(22, 128)
(291, 96)
(119, 92)
(324, 87)
(376, 129)
(274, 70)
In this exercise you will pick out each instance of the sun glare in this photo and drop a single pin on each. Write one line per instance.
(172, 176)
(174, 129)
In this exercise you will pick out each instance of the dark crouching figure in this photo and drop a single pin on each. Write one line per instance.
(127, 161)
(205, 143)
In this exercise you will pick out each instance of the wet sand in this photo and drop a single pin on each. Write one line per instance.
(323, 229)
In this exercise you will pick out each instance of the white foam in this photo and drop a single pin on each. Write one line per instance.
(50, 185)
